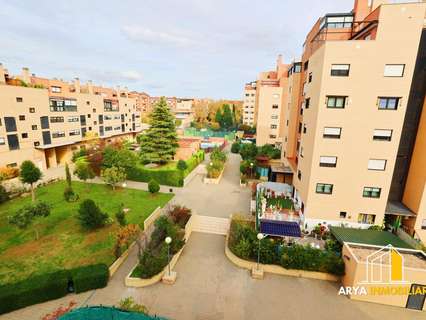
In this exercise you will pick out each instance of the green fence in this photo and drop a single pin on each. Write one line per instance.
(105, 313)
(193, 132)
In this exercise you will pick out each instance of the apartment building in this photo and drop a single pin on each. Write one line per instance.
(249, 104)
(142, 102)
(45, 120)
(184, 112)
(352, 134)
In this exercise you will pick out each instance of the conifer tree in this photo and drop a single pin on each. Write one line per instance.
(159, 144)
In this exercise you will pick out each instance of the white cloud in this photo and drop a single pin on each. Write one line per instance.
(147, 35)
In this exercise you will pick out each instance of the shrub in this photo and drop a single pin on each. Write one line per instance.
(169, 177)
(129, 304)
(4, 195)
(180, 215)
(124, 238)
(218, 155)
(235, 148)
(248, 151)
(70, 195)
(90, 215)
(150, 264)
(153, 187)
(78, 154)
(33, 290)
(214, 170)
(181, 165)
(121, 217)
(8, 173)
(114, 175)
(269, 151)
(90, 277)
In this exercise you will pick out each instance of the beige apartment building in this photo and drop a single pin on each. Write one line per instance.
(46, 120)
(249, 104)
(350, 117)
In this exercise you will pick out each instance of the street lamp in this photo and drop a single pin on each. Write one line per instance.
(211, 164)
(251, 169)
(260, 236)
(168, 240)
(124, 185)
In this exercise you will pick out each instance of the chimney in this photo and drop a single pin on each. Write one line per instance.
(77, 85)
(361, 9)
(26, 76)
(90, 87)
(2, 74)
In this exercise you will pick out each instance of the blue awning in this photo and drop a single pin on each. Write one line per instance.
(280, 228)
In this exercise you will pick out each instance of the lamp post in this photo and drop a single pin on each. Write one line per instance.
(168, 240)
(124, 185)
(259, 237)
(251, 169)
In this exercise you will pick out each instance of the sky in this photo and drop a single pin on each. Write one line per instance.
(182, 48)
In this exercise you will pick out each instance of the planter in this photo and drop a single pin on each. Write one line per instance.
(130, 281)
(275, 269)
(214, 180)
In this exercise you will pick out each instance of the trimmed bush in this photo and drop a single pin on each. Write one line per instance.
(33, 290)
(90, 277)
(235, 148)
(153, 186)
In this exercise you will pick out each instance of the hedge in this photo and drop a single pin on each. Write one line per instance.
(33, 290)
(90, 277)
(168, 177)
(51, 286)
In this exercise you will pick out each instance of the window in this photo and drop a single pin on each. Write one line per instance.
(307, 103)
(273, 126)
(304, 128)
(21, 118)
(94, 110)
(424, 224)
(334, 22)
(324, 188)
(336, 102)
(332, 132)
(271, 136)
(306, 65)
(382, 134)
(55, 89)
(388, 103)
(13, 142)
(24, 135)
(56, 119)
(366, 218)
(46, 137)
(32, 110)
(326, 161)
(299, 175)
(394, 70)
(107, 117)
(274, 106)
(371, 192)
(89, 116)
(19, 99)
(61, 105)
(36, 143)
(274, 116)
(376, 164)
(310, 77)
(108, 128)
(340, 70)
(73, 119)
(75, 132)
(10, 124)
(110, 105)
(343, 214)
(58, 134)
(34, 127)
(2, 141)
(44, 121)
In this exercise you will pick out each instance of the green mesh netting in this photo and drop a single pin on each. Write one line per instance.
(105, 313)
(192, 132)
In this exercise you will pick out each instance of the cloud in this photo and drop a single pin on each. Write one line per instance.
(147, 35)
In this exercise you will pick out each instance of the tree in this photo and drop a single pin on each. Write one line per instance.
(90, 215)
(181, 165)
(153, 186)
(227, 117)
(25, 216)
(30, 174)
(83, 171)
(68, 175)
(159, 144)
(113, 176)
(118, 157)
(218, 117)
(248, 151)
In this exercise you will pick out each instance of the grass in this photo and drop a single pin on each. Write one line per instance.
(372, 237)
(62, 241)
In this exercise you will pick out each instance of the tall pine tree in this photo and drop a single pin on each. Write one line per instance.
(159, 143)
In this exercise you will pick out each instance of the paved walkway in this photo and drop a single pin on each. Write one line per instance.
(209, 287)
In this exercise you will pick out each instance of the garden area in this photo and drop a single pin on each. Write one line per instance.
(59, 240)
(243, 242)
(217, 164)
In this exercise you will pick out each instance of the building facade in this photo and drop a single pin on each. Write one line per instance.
(350, 117)
(46, 120)
(249, 104)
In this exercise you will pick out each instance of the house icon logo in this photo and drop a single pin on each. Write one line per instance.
(385, 266)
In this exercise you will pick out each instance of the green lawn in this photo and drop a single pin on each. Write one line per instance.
(62, 242)
(372, 237)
